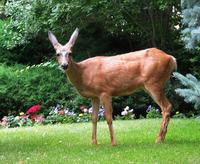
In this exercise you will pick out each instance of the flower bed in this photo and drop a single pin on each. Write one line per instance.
(61, 114)
(58, 114)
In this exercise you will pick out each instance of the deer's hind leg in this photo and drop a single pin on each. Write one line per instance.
(157, 93)
(106, 100)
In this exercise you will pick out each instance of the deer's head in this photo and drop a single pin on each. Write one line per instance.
(63, 52)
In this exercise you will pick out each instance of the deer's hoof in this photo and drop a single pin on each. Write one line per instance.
(159, 140)
(94, 142)
(113, 143)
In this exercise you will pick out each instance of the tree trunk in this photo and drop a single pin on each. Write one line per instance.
(2, 14)
(153, 38)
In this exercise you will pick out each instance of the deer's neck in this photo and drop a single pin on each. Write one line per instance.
(74, 74)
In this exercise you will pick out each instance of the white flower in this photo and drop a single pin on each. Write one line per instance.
(17, 118)
(101, 113)
(71, 114)
(66, 111)
(124, 113)
(198, 117)
(127, 108)
(46, 64)
(130, 111)
(101, 110)
(33, 65)
(85, 110)
(5, 118)
(55, 111)
(27, 67)
(90, 110)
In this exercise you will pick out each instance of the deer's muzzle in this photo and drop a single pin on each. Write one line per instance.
(64, 66)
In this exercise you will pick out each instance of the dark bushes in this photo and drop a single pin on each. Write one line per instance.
(44, 84)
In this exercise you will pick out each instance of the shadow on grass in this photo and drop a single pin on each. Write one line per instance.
(151, 143)
(181, 141)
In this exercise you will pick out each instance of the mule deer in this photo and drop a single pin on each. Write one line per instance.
(100, 78)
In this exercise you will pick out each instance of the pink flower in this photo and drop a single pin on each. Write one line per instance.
(37, 118)
(4, 121)
(33, 109)
(62, 112)
(82, 107)
(24, 116)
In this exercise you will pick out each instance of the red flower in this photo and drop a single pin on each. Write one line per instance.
(33, 109)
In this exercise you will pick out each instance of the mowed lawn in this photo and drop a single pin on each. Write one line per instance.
(70, 143)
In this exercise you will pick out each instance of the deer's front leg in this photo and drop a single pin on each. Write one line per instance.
(108, 115)
(95, 110)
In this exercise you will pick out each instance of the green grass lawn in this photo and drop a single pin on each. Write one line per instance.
(70, 143)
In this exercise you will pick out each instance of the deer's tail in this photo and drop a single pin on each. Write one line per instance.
(173, 64)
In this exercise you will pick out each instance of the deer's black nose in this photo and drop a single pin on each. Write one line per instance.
(64, 66)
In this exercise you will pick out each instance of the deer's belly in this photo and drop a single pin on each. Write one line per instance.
(112, 88)
(125, 91)
(87, 93)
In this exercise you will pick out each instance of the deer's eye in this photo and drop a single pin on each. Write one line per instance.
(69, 53)
(58, 55)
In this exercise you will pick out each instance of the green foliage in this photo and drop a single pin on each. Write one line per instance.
(20, 25)
(191, 93)
(179, 115)
(117, 20)
(153, 113)
(22, 87)
(5, 56)
(12, 122)
(55, 118)
(84, 117)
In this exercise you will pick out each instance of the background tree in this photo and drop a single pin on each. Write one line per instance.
(111, 26)
(191, 22)
(191, 38)
(2, 4)
(191, 93)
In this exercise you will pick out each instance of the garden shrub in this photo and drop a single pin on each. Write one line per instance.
(12, 121)
(44, 84)
(179, 115)
(52, 119)
(152, 112)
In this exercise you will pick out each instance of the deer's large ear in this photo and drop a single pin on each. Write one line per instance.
(73, 37)
(53, 39)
